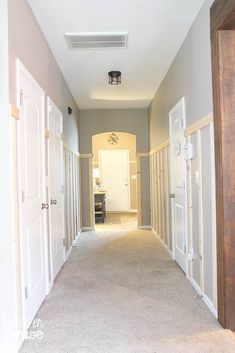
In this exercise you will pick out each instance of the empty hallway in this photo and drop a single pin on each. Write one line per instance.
(121, 292)
(117, 159)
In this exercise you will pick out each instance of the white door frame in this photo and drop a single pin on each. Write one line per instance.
(128, 170)
(9, 294)
(172, 111)
(20, 68)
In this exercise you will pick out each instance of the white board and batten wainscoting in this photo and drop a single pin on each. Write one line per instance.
(72, 209)
(115, 179)
(46, 179)
(198, 246)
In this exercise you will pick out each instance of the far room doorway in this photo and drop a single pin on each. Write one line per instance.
(115, 180)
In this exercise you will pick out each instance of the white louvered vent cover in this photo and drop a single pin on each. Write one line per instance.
(96, 40)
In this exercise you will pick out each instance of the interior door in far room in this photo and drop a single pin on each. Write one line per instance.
(32, 207)
(56, 184)
(178, 183)
(114, 172)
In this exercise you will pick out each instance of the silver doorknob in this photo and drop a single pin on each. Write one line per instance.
(53, 202)
(172, 196)
(45, 206)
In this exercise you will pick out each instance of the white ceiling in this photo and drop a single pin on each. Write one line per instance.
(156, 30)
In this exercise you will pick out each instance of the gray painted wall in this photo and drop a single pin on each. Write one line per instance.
(189, 76)
(27, 43)
(133, 121)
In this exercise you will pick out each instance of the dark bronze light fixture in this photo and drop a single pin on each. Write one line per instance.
(113, 139)
(115, 77)
(70, 110)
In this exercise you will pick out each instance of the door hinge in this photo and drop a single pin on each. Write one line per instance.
(26, 292)
(21, 97)
(22, 196)
(185, 249)
(190, 256)
(64, 243)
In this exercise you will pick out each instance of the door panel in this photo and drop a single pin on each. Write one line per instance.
(179, 232)
(55, 123)
(35, 270)
(32, 189)
(114, 171)
(178, 183)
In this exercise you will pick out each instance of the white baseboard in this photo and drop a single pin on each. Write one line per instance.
(206, 300)
(14, 346)
(68, 253)
(20, 342)
(210, 305)
(71, 247)
(75, 240)
(10, 347)
(145, 227)
(164, 244)
(49, 286)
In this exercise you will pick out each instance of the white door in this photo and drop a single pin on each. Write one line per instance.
(33, 210)
(114, 174)
(178, 184)
(55, 162)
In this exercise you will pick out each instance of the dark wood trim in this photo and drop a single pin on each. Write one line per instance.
(222, 12)
(223, 69)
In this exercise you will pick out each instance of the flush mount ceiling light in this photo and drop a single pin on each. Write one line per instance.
(115, 77)
(113, 139)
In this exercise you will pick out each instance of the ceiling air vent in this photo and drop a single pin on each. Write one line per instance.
(96, 40)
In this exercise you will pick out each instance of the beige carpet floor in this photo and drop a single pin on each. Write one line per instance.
(120, 292)
(118, 221)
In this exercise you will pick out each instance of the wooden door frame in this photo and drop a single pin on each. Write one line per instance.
(223, 68)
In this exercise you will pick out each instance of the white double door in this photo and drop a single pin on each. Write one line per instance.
(56, 182)
(40, 250)
(114, 174)
(178, 184)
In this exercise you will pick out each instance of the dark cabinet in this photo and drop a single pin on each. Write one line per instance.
(100, 208)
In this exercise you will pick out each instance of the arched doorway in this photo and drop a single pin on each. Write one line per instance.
(115, 179)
